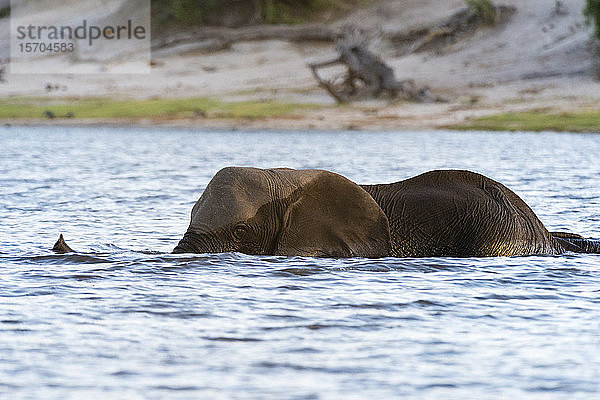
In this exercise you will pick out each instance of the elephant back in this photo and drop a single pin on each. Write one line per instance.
(459, 213)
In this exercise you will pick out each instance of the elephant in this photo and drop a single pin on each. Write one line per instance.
(442, 213)
(286, 212)
(457, 213)
(452, 213)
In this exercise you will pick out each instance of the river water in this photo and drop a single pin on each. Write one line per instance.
(124, 319)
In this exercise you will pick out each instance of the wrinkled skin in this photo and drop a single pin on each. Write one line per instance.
(286, 212)
(319, 213)
(461, 213)
(439, 213)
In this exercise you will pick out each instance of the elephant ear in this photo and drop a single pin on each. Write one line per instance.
(331, 216)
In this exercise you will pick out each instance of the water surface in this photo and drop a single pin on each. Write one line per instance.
(124, 319)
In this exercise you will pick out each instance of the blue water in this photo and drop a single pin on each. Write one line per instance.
(124, 319)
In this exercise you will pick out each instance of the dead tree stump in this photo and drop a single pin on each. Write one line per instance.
(367, 76)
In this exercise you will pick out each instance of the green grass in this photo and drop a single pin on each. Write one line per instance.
(282, 12)
(485, 9)
(27, 108)
(584, 121)
(592, 14)
(188, 13)
(4, 12)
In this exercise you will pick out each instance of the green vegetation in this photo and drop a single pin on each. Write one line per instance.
(182, 13)
(286, 12)
(485, 9)
(137, 109)
(186, 12)
(4, 12)
(592, 14)
(541, 120)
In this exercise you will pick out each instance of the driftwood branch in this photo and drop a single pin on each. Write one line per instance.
(328, 85)
(447, 30)
(219, 38)
(366, 77)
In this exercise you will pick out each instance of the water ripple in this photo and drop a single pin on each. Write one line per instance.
(123, 318)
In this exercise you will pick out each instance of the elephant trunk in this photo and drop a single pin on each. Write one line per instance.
(183, 247)
(195, 243)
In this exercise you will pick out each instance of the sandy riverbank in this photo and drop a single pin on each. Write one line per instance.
(538, 60)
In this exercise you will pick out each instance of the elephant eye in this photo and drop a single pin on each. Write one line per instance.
(239, 231)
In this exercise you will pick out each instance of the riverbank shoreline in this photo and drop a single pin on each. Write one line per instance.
(531, 72)
(528, 114)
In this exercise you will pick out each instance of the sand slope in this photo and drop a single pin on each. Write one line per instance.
(540, 58)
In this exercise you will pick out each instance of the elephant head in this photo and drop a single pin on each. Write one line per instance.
(286, 212)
